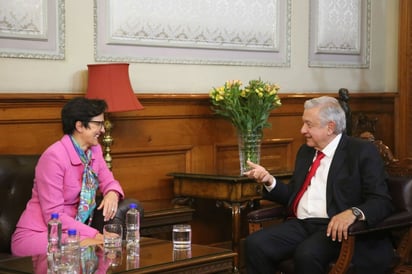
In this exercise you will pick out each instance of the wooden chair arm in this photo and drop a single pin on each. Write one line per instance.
(266, 214)
(397, 220)
(256, 218)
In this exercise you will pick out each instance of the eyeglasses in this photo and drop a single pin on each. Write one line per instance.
(100, 124)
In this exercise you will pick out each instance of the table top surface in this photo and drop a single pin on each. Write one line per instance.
(155, 255)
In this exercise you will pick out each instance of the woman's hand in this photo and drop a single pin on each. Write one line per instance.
(97, 240)
(109, 204)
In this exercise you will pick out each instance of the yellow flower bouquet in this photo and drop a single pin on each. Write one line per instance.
(248, 109)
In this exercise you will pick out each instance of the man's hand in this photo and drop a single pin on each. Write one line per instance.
(339, 224)
(259, 173)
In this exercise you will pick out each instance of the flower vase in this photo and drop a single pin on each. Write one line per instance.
(249, 148)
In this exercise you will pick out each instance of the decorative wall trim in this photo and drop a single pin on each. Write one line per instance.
(339, 33)
(242, 32)
(32, 29)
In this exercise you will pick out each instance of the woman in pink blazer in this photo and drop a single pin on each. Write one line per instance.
(67, 177)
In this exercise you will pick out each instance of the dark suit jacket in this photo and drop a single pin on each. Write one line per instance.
(356, 178)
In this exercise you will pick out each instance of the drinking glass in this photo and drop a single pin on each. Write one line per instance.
(113, 235)
(182, 236)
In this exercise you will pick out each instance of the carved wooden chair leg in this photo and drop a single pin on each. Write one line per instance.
(345, 256)
(404, 248)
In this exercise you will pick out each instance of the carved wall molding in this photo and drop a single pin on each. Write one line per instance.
(339, 33)
(226, 32)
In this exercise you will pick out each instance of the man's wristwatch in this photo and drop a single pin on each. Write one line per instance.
(357, 212)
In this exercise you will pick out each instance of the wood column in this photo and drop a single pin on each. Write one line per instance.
(403, 106)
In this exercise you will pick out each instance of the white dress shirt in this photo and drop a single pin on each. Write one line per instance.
(313, 201)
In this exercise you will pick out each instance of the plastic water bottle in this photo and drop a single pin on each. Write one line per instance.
(73, 240)
(54, 234)
(54, 230)
(132, 230)
(73, 246)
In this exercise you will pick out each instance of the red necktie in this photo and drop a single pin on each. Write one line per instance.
(306, 183)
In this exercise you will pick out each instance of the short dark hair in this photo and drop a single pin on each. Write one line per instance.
(80, 109)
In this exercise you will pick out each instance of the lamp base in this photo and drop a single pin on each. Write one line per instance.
(107, 141)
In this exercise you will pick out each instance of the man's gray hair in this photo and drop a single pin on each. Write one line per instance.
(330, 110)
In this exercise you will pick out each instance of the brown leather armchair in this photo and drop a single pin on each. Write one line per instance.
(401, 191)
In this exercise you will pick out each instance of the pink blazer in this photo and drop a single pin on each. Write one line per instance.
(56, 188)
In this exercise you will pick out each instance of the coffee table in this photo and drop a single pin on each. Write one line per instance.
(156, 256)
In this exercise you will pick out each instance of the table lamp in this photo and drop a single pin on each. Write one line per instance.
(111, 83)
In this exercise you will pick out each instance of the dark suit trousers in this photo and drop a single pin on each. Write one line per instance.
(305, 241)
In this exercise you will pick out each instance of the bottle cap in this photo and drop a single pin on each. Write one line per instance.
(71, 232)
(132, 205)
(55, 215)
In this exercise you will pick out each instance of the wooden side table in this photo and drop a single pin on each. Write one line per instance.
(161, 215)
(230, 192)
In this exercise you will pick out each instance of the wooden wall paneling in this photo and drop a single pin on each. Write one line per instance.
(286, 127)
(275, 156)
(176, 132)
(144, 175)
(29, 134)
(29, 123)
(380, 106)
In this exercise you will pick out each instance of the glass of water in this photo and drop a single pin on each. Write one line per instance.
(113, 235)
(182, 236)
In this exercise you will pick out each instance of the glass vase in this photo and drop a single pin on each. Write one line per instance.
(249, 148)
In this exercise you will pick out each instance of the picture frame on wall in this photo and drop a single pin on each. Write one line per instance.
(32, 29)
(339, 33)
(225, 32)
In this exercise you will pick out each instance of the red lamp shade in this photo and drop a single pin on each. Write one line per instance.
(111, 82)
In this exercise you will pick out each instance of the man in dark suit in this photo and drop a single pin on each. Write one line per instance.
(349, 184)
